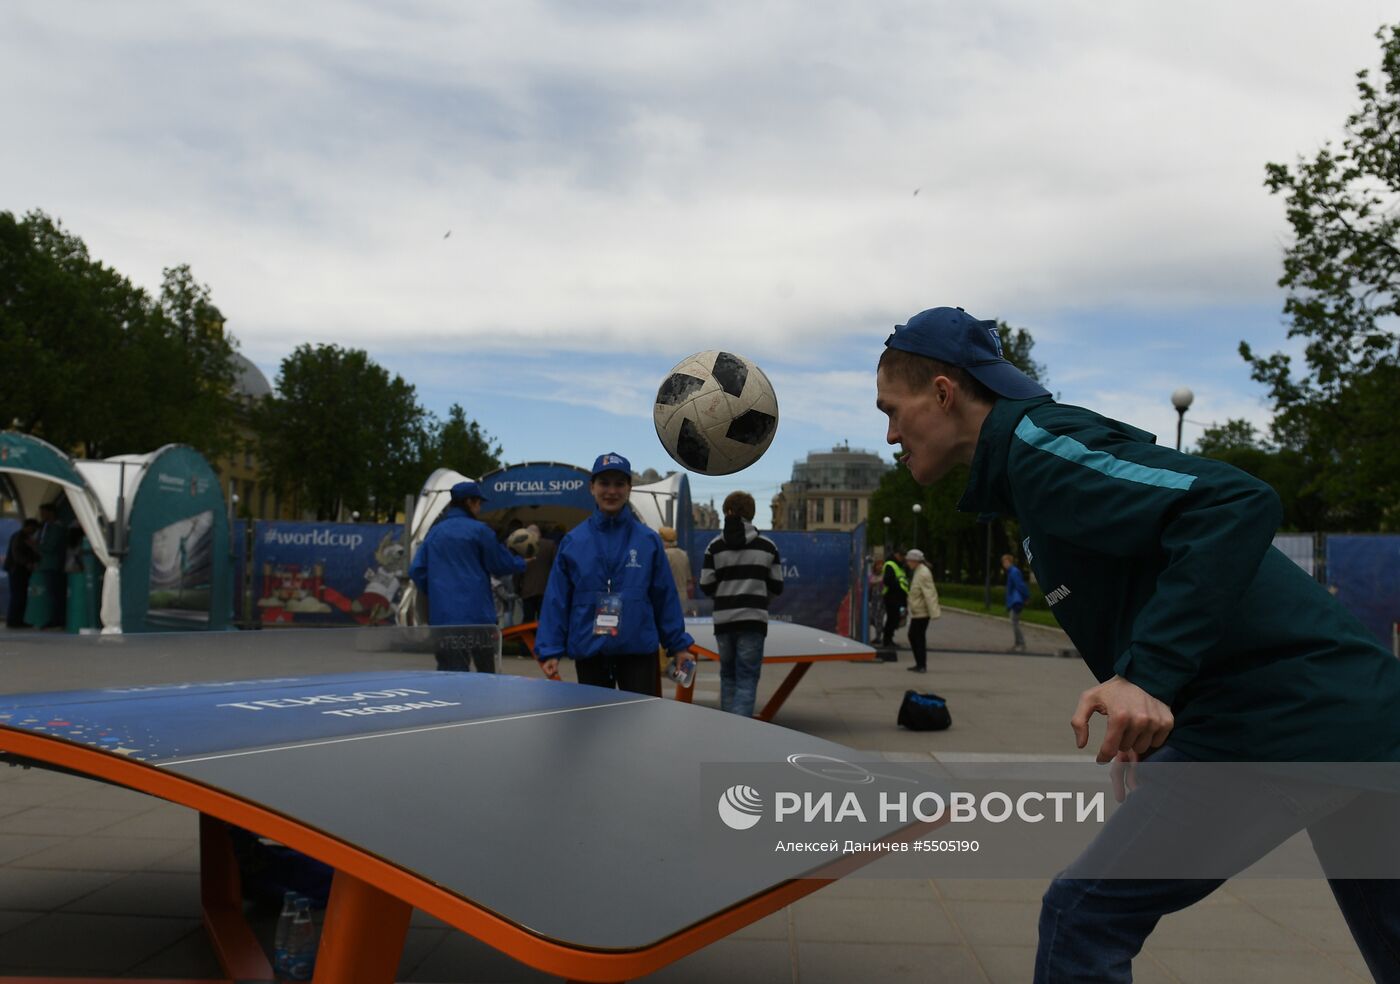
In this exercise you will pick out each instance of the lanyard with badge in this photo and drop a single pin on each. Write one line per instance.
(608, 617)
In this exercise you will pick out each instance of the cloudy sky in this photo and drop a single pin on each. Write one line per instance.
(626, 183)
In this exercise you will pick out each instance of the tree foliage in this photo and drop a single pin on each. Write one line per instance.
(460, 444)
(93, 363)
(1342, 276)
(341, 434)
(955, 542)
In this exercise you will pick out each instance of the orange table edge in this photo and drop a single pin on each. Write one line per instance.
(371, 899)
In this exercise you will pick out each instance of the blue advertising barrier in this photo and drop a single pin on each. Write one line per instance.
(816, 576)
(1363, 571)
(327, 573)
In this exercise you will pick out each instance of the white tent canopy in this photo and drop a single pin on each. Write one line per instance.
(656, 504)
(101, 494)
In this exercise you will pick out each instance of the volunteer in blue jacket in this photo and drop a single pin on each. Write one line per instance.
(1209, 645)
(611, 599)
(453, 569)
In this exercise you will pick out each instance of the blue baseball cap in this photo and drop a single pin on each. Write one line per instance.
(612, 461)
(951, 335)
(467, 490)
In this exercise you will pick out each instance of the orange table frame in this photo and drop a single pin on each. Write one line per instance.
(371, 900)
(525, 633)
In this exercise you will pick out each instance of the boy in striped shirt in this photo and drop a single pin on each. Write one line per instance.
(741, 572)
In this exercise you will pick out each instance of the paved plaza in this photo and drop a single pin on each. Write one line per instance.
(99, 880)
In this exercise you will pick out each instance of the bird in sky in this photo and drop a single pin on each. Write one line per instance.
(447, 233)
(916, 192)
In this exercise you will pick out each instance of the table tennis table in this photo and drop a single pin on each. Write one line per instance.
(555, 823)
(787, 642)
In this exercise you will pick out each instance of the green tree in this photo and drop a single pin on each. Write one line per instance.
(341, 434)
(94, 363)
(462, 445)
(1342, 276)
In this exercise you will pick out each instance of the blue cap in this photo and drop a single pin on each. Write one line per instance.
(612, 461)
(467, 490)
(951, 335)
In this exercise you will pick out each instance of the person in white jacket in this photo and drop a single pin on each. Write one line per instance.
(923, 606)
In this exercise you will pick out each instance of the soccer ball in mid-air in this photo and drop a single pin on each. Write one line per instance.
(716, 413)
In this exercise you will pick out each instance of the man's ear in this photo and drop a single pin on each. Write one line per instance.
(943, 392)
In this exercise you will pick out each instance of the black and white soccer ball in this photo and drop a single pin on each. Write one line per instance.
(716, 413)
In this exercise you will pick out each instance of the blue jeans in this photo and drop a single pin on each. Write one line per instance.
(740, 663)
(1092, 928)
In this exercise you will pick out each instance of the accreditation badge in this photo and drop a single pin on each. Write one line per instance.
(609, 615)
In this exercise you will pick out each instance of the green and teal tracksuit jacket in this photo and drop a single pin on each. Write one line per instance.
(1161, 568)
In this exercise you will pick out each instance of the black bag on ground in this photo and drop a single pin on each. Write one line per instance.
(924, 712)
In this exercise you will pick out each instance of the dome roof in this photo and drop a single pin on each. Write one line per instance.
(248, 379)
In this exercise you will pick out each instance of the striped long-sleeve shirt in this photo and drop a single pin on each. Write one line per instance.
(741, 571)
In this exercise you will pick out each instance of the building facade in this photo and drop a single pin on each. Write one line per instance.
(830, 490)
(241, 470)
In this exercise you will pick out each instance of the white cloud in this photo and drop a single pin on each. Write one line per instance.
(626, 183)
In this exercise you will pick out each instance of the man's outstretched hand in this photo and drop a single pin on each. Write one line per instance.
(1137, 721)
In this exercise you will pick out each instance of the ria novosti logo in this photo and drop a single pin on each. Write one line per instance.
(740, 807)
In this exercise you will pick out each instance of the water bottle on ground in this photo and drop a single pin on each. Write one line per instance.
(284, 929)
(301, 943)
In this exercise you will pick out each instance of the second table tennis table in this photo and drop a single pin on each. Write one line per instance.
(799, 646)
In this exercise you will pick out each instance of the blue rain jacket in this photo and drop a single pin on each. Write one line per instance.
(630, 555)
(453, 569)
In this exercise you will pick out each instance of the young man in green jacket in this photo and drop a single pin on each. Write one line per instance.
(1208, 644)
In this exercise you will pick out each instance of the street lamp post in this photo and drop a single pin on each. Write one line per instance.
(887, 538)
(1181, 399)
(918, 515)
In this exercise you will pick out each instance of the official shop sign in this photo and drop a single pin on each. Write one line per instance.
(554, 486)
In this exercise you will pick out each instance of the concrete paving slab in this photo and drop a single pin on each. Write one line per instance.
(45, 891)
(97, 853)
(163, 820)
(188, 957)
(1212, 966)
(838, 963)
(1238, 928)
(108, 943)
(67, 821)
(143, 893)
(1321, 927)
(731, 960)
(872, 920)
(995, 923)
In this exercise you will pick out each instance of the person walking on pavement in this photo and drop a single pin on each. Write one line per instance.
(923, 606)
(680, 564)
(536, 577)
(453, 569)
(21, 557)
(741, 571)
(1017, 594)
(1208, 644)
(48, 589)
(894, 593)
(611, 601)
